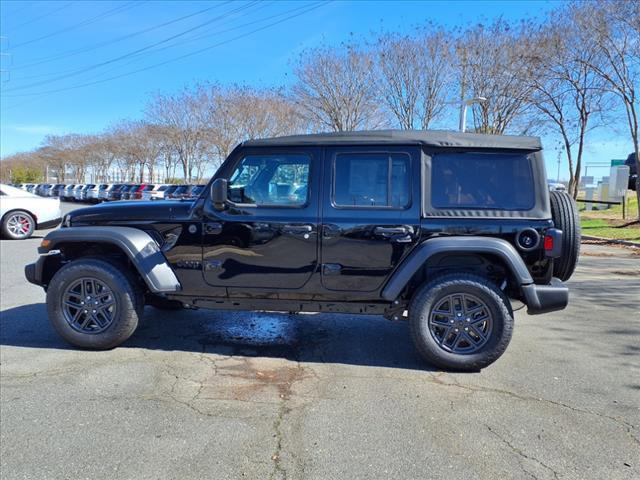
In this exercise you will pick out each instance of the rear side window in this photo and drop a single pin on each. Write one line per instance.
(482, 181)
(372, 180)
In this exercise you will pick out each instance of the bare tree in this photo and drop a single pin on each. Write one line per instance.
(179, 116)
(566, 90)
(490, 62)
(413, 72)
(614, 32)
(336, 88)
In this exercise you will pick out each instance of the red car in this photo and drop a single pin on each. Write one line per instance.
(137, 193)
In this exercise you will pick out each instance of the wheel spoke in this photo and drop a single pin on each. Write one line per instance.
(478, 332)
(475, 321)
(99, 311)
(77, 315)
(449, 326)
(71, 304)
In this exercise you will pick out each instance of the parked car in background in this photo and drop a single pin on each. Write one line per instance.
(178, 192)
(196, 191)
(83, 192)
(128, 192)
(169, 190)
(42, 189)
(21, 213)
(56, 189)
(91, 193)
(66, 194)
(75, 197)
(114, 192)
(155, 193)
(137, 193)
(31, 188)
(633, 171)
(101, 188)
(556, 186)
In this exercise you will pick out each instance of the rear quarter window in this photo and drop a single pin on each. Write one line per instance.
(495, 181)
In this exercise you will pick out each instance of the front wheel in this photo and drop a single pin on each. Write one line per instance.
(94, 304)
(461, 322)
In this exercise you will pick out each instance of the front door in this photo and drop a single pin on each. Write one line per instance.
(370, 214)
(267, 237)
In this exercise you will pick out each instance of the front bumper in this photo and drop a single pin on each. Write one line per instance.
(545, 298)
(33, 272)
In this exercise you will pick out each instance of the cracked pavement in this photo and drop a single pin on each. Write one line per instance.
(203, 394)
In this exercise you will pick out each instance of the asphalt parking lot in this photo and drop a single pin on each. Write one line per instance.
(198, 394)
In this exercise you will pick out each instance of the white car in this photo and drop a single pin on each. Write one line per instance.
(155, 193)
(22, 213)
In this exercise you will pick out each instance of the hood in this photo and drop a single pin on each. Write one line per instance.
(119, 213)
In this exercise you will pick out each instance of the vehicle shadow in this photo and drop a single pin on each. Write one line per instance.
(363, 340)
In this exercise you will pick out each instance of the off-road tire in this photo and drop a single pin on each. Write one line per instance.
(427, 297)
(11, 217)
(565, 217)
(128, 296)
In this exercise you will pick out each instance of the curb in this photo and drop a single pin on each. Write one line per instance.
(613, 241)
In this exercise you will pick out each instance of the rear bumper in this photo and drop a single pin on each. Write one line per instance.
(545, 298)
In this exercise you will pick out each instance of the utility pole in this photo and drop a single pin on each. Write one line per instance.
(463, 110)
(558, 174)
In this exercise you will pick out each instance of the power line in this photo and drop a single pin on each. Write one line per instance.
(134, 58)
(48, 14)
(88, 21)
(21, 8)
(181, 57)
(134, 52)
(71, 53)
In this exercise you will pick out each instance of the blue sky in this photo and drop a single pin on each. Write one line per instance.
(52, 49)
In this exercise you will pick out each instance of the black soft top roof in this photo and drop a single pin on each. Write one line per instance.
(428, 138)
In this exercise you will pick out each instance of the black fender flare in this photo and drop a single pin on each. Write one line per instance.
(137, 245)
(467, 244)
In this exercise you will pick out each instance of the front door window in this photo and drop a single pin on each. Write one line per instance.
(270, 180)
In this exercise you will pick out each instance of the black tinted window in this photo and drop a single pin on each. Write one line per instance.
(482, 181)
(271, 180)
(372, 180)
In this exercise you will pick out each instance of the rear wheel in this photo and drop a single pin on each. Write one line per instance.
(94, 304)
(461, 322)
(565, 217)
(18, 225)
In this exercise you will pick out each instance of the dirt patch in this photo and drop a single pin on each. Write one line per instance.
(280, 378)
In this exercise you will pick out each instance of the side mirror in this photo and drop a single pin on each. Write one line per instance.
(219, 193)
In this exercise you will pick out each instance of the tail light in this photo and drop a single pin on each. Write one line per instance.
(553, 243)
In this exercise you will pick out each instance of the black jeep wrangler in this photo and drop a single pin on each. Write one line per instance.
(443, 228)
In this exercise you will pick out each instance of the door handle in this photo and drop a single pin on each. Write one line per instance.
(392, 230)
(297, 228)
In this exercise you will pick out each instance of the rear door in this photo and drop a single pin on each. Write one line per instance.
(370, 214)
